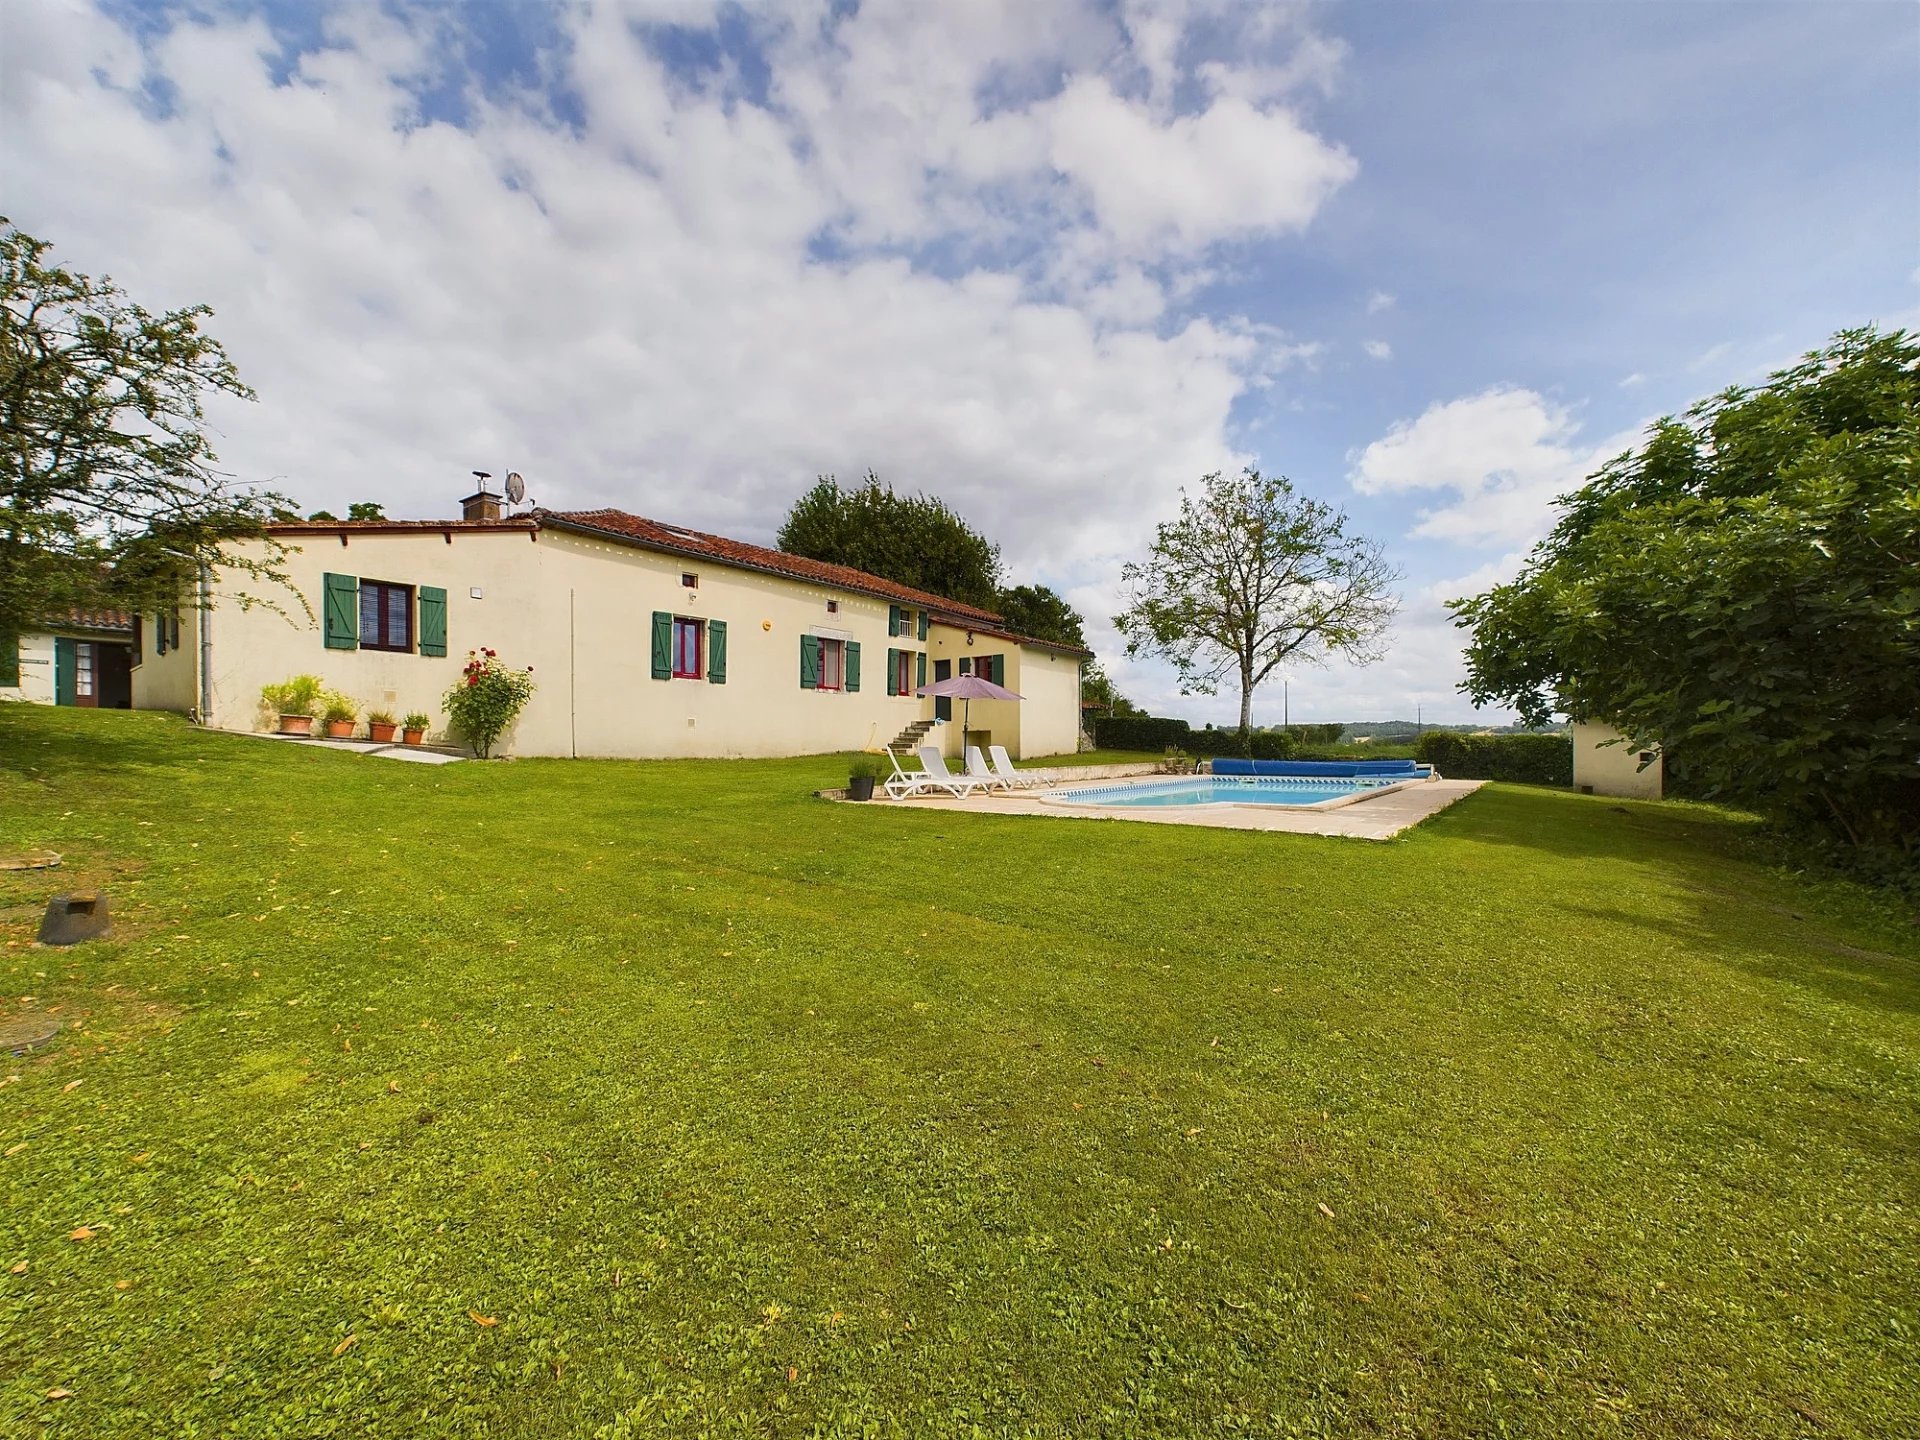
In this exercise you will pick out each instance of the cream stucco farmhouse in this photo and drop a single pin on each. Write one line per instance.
(646, 639)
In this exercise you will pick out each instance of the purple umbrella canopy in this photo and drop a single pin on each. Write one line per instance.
(967, 687)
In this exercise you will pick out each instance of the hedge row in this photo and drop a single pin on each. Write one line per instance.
(1526, 759)
(1153, 732)
(1139, 732)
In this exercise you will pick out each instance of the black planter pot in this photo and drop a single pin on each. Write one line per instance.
(860, 787)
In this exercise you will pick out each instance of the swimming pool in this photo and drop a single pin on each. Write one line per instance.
(1298, 792)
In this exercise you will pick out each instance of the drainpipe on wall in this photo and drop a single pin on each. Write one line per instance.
(206, 645)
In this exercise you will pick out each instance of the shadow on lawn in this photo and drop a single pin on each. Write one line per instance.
(1804, 955)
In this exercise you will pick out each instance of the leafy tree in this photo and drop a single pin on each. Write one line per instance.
(1039, 611)
(1744, 590)
(366, 510)
(913, 539)
(1251, 575)
(1097, 686)
(108, 492)
(327, 515)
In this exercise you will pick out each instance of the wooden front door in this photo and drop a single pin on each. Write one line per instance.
(81, 674)
(112, 675)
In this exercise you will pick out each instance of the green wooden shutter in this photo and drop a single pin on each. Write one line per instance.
(920, 669)
(341, 607)
(433, 620)
(159, 633)
(893, 671)
(853, 665)
(9, 659)
(662, 645)
(923, 624)
(65, 661)
(717, 651)
(809, 662)
(893, 619)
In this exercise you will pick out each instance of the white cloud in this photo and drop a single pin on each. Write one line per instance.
(1506, 454)
(1378, 349)
(688, 302)
(1230, 171)
(1379, 300)
(1633, 381)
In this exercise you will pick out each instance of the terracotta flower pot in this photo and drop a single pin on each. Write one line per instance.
(380, 734)
(413, 737)
(340, 729)
(296, 724)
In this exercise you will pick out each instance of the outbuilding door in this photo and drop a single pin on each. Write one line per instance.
(92, 674)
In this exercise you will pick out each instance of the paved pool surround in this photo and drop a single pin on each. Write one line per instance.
(1377, 816)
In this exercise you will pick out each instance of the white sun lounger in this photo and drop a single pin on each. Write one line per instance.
(977, 768)
(1003, 767)
(932, 776)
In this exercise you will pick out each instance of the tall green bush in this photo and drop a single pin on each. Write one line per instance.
(1522, 759)
(486, 698)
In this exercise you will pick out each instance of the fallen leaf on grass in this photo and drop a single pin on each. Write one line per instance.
(1193, 1131)
(59, 1392)
(19, 1268)
(13, 1150)
(346, 1345)
(485, 1322)
(393, 1087)
(82, 1233)
(1320, 1205)
(71, 1086)
(123, 1284)
(141, 1158)
(793, 1373)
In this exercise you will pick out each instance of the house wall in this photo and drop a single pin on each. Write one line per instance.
(579, 610)
(1613, 769)
(170, 681)
(1050, 713)
(36, 671)
(1045, 721)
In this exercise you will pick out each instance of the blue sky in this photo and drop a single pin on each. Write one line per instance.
(1050, 261)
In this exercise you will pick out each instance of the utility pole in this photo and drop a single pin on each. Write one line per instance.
(1419, 719)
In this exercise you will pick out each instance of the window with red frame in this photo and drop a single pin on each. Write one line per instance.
(686, 648)
(833, 665)
(386, 617)
(903, 671)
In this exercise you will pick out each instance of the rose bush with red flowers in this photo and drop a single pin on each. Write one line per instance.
(486, 699)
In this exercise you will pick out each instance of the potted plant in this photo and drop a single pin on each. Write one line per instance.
(292, 703)
(337, 713)
(414, 728)
(1178, 762)
(380, 727)
(860, 777)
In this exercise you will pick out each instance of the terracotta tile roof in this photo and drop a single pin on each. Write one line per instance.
(678, 540)
(375, 527)
(698, 545)
(78, 619)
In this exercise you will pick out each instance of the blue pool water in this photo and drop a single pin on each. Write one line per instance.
(1226, 790)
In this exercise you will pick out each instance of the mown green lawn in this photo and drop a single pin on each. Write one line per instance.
(597, 1099)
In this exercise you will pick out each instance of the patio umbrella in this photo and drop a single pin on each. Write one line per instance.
(966, 688)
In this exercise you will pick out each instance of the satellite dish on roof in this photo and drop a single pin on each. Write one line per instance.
(516, 488)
